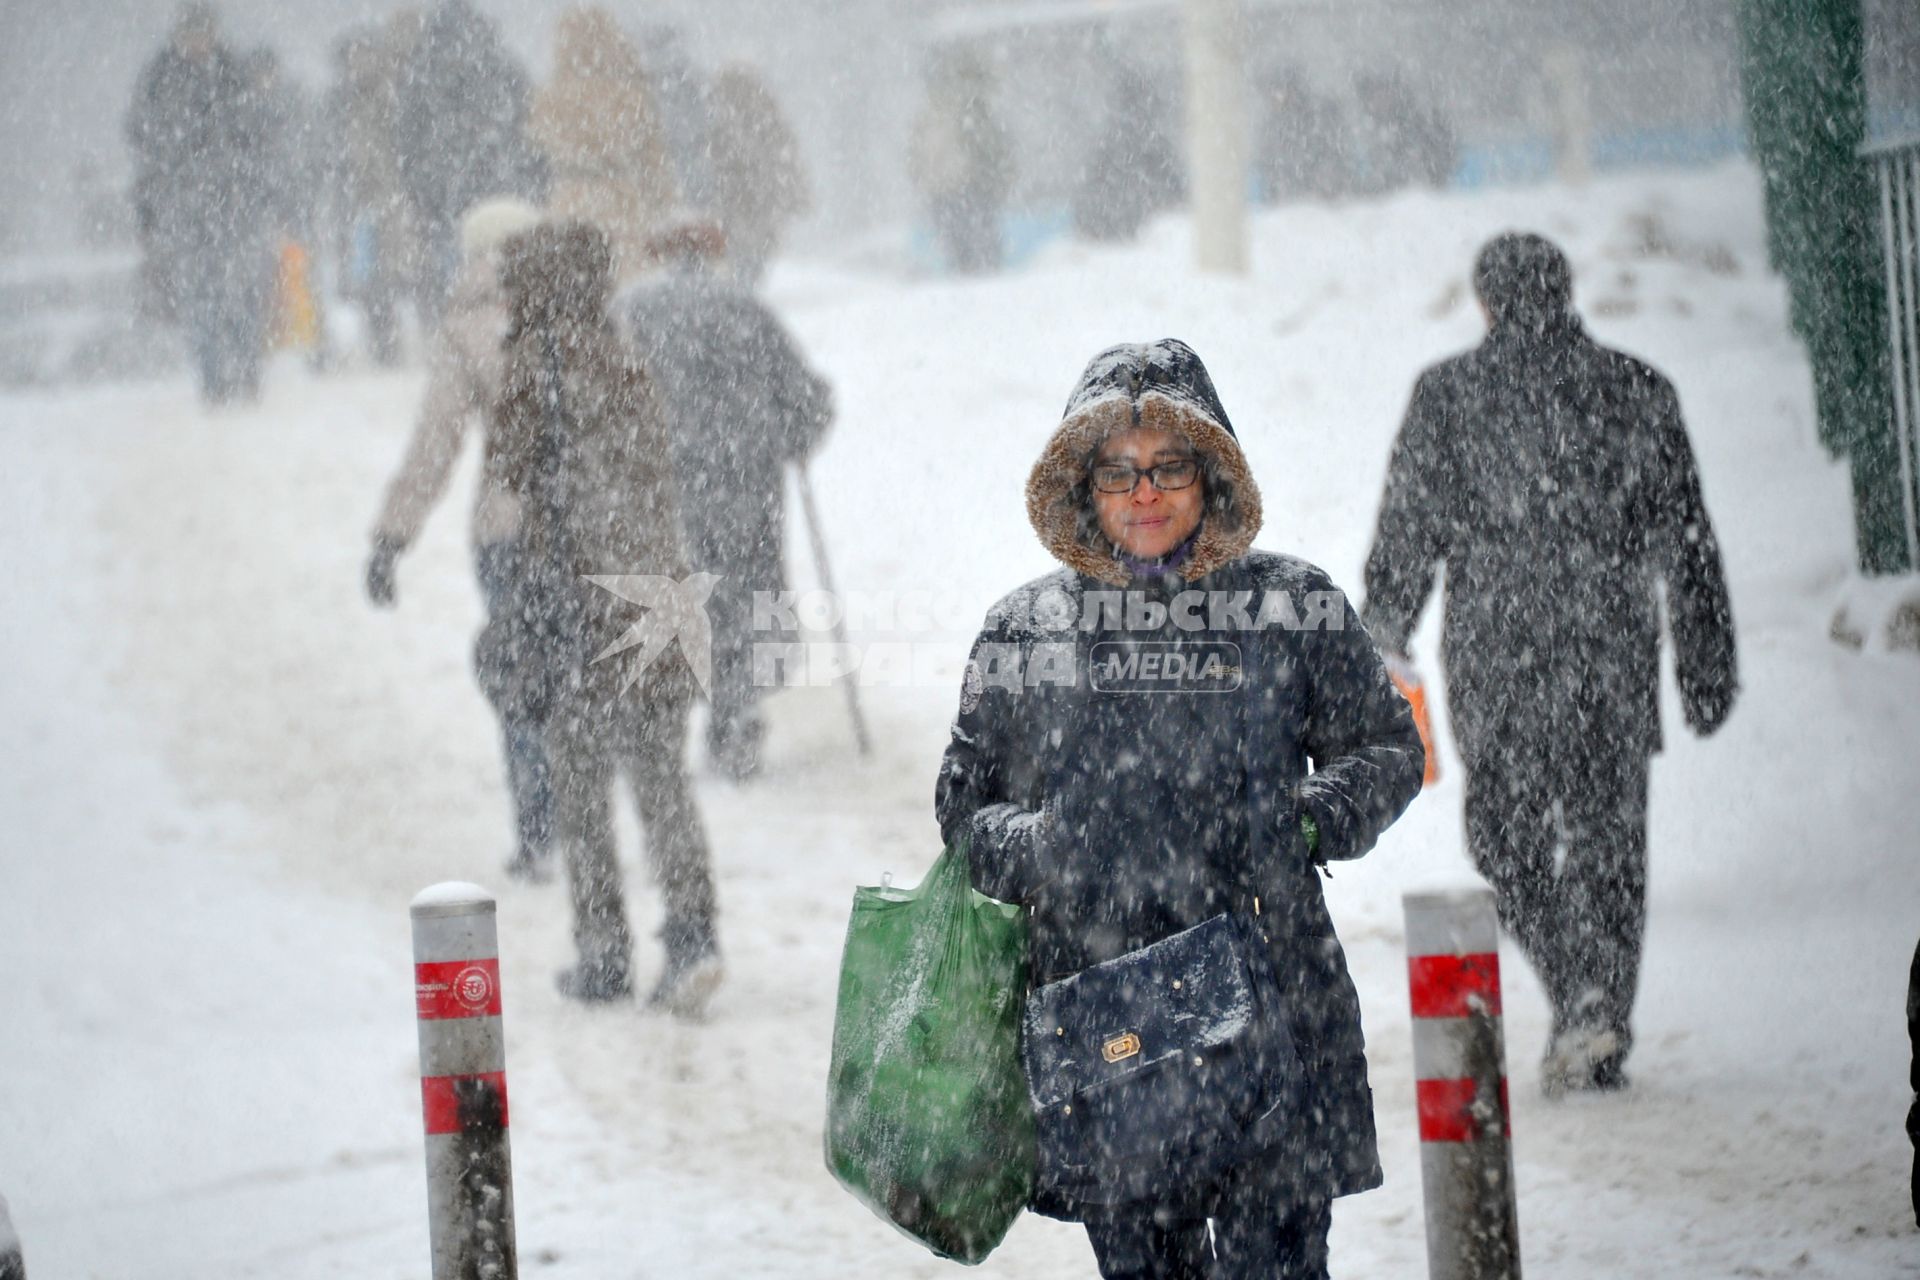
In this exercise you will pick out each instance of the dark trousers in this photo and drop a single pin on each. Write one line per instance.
(734, 728)
(529, 776)
(647, 743)
(226, 294)
(1258, 1233)
(1564, 846)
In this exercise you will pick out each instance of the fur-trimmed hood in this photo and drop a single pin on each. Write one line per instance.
(1163, 386)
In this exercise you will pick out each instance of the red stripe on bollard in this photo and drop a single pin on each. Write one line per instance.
(1446, 1110)
(1446, 986)
(441, 1103)
(457, 989)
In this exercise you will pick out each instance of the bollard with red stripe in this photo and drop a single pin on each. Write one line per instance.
(463, 1083)
(1459, 1061)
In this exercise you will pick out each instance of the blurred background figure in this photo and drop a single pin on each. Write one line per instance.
(201, 162)
(460, 131)
(370, 225)
(1407, 138)
(1134, 170)
(294, 164)
(758, 185)
(961, 162)
(740, 404)
(595, 123)
(578, 438)
(1300, 147)
(463, 381)
(678, 88)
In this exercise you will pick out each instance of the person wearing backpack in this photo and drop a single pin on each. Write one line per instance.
(579, 441)
(1168, 739)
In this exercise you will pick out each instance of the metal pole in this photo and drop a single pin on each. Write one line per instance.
(1893, 245)
(463, 1083)
(1908, 293)
(1459, 1059)
(819, 543)
(1217, 134)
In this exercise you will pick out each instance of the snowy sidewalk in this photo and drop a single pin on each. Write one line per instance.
(226, 775)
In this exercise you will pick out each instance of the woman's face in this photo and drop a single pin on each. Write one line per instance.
(1148, 522)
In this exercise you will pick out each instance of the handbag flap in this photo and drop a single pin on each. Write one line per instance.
(1184, 994)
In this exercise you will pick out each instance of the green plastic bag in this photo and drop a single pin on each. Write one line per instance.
(928, 1121)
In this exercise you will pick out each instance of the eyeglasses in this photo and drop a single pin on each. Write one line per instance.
(1121, 477)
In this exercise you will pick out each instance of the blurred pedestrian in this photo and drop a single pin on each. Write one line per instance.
(961, 162)
(464, 367)
(679, 91)
(595, 122)
(1134, 170)
(290, 190)
(578, 439)
(460, 130)
(1300, 147)
(369, 219)
(740, 404)
(202, 167)
(1407, 138)
(1552, 479)
(758, 183)
(1125, 810)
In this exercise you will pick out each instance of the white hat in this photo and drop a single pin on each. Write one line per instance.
(486, 225)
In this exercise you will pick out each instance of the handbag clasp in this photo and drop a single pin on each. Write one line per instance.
(1120, 1047)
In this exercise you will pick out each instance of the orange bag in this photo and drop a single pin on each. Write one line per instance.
(1411, 688)
(296, 314)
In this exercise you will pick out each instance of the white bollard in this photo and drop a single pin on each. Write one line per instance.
(463, 1083)
(1459, 1061)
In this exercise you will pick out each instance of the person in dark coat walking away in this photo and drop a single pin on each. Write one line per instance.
(758, 183)
(460, 130)
(1134, 170)
(202, 203)
(369, 221)
(579, 442)
(1121, 812)
(1553, 479)
(740, 404)
(961, 162)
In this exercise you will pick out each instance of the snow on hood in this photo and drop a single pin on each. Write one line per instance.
(1163, 386)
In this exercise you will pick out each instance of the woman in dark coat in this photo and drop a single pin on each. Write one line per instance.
(1123, 796)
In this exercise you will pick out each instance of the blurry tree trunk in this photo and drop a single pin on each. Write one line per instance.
(1217, 133)
(1803, 72)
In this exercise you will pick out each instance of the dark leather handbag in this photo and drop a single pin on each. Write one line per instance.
(1149, 1073)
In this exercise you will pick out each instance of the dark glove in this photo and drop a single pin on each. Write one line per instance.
(1707, 704)
(380, 588)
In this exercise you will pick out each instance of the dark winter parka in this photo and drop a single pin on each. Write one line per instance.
(1119, 813)
(200, 148)
(460, 117)
(1553, 479)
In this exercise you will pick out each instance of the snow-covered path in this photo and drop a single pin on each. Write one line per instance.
(225, 775)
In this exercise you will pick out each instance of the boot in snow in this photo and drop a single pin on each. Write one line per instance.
(688, 982)
(594, 982)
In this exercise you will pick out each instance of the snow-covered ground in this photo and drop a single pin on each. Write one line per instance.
(224, 776)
